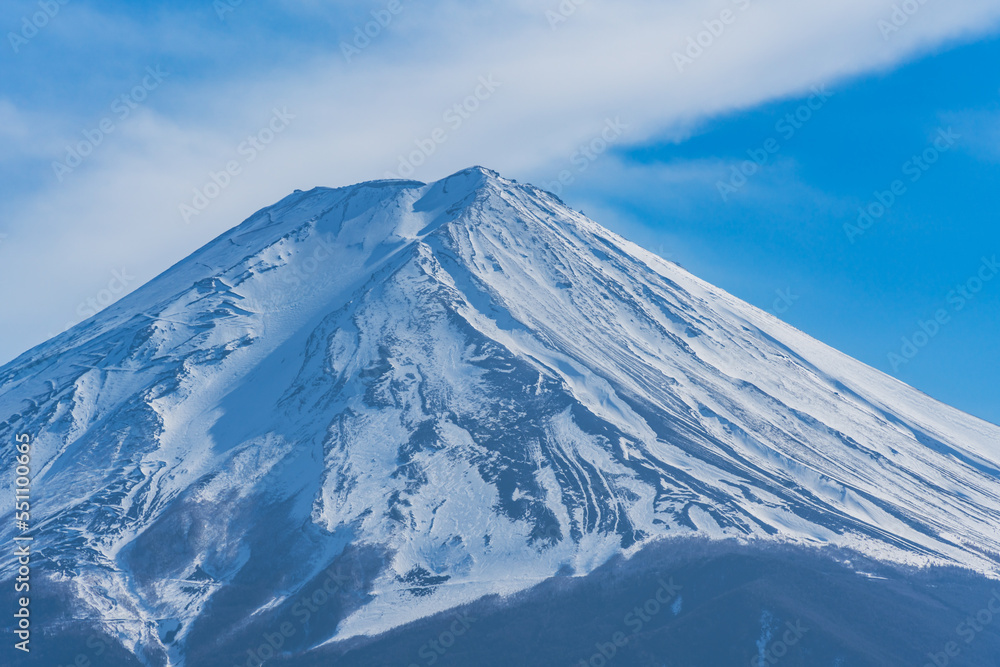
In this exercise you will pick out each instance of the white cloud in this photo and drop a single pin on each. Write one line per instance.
(353, 120)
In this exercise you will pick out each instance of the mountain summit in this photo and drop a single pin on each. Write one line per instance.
(414, 395)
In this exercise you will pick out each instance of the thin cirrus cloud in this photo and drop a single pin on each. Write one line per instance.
(557, 74)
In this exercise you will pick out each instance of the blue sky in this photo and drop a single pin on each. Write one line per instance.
(780, 242)
(182, 85)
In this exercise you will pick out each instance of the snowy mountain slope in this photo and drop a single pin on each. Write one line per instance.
(477, 385)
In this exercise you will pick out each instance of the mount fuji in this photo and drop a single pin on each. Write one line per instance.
(367, 406)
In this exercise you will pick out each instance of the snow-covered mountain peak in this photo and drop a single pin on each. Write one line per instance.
(460, 388)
